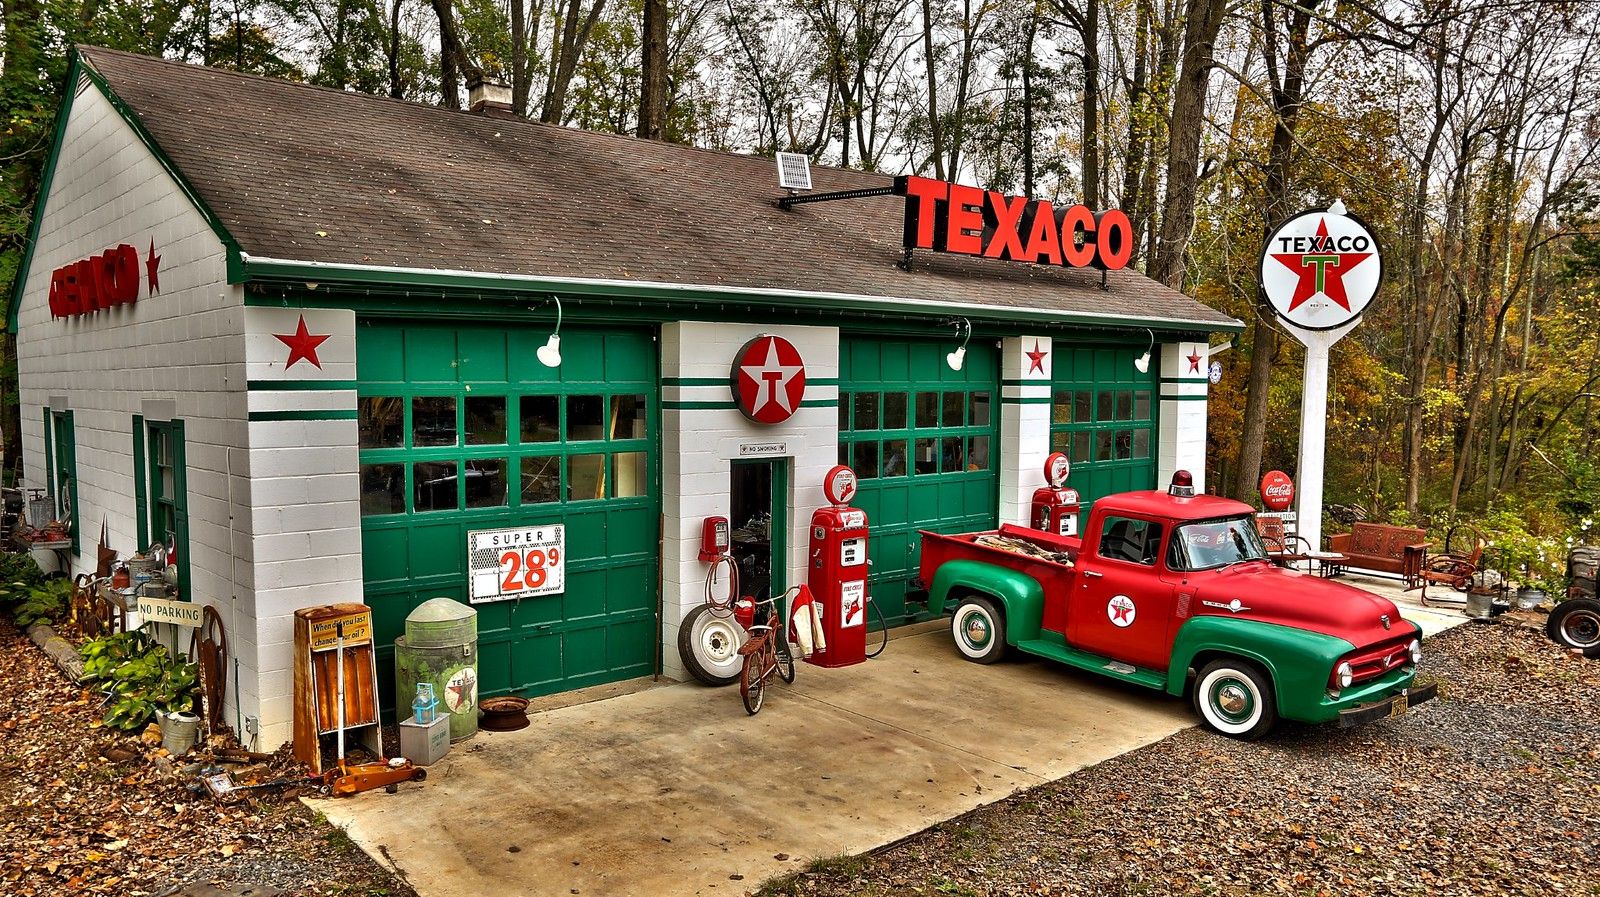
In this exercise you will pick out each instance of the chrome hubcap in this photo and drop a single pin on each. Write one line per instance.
(1232, 699)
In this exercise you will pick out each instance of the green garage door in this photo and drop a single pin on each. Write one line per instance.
(1103, 415)
(919, 437)
(463, 429)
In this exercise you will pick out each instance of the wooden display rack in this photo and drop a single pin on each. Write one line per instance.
(316, 639)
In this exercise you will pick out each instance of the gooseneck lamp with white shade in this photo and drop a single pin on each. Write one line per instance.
(1142, 363)
(959, 357)
(550, 353)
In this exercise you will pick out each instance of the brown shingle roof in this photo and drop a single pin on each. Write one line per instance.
(400, 184)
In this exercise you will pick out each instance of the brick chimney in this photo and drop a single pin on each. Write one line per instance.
(489, 97)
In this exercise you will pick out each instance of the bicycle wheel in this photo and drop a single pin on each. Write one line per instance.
(753, 680)
(785, 661)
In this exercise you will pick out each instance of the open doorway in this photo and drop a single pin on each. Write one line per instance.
(759, 542)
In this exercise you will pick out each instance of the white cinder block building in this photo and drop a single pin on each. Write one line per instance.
(296, 332)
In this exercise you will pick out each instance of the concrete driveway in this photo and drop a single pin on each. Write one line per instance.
(675, 791)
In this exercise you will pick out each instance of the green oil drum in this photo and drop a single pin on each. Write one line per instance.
(440, 646)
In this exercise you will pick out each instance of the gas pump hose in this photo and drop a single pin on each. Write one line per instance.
(722, 607)
(883, 627)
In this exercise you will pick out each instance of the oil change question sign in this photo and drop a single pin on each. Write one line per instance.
(517, 563)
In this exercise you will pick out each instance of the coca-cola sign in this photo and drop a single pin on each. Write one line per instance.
(1277, 491)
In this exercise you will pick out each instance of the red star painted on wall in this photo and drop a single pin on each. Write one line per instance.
(152, 269)
(1036, 358)
(1194, 361)
(1320, 272)
(302, 345)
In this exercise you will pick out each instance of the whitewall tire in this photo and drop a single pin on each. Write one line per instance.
(1235, 698)
(979, 630)
(708, 642)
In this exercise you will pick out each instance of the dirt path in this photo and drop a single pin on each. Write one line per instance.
(74, 822)
(1494, 789)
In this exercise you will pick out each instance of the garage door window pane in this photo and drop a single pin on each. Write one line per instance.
(978, 453)
(1124, 445)
(844, 412)
(894, 458)
(1082, 412)
(894, 411)
(1105, 405)
(628, 417)
(541, 419)
(433, 420)
(866, 411)
(1141, 405)
(434, 485)
(1061, 442)
(1080, 447)
(486, 420)
(1102, 445)
(866, 460)
(980, 410)
(586, 418)
(953, 451)
(586, 477)
(633, 474)
(954, 402)
(383, 489)
(541, 479)
(927, 409)
(383, 422)
(927, 456)
(1061, 408)
(486, 483)
(1124, 406)
(1141, 443)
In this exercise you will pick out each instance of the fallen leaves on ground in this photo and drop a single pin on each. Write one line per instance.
(1492, 790)
(84, 810)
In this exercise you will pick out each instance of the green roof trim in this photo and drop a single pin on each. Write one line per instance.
(77, 69)
(334, 277)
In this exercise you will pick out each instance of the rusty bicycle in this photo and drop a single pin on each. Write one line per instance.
(765, 653)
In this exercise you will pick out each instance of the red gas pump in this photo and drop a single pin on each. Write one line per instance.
(838, 572)
(1055, 507)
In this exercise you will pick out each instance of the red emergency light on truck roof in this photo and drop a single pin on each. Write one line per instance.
(1182, 485)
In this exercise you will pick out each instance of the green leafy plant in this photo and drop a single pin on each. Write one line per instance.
(141, 678)
(18, 570)
(46, 602)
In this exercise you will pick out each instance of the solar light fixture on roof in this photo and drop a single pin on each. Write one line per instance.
(794, 171)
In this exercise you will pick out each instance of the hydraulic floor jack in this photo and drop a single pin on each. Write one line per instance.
(347, 778)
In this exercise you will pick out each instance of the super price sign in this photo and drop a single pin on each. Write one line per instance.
(517, 563)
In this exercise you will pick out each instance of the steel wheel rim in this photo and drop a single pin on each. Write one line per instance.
(1232, 699)
(719, 641)
(1581, 629)
(975, 630)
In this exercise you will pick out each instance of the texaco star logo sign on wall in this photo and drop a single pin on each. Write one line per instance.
(1320, 269)
(769, 379)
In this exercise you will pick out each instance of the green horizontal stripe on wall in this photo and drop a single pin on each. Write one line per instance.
(1184, 398)
(1025, 400)
(1200, 379)
(1038, 381)
(301, 384)
(724, 381)
(711, 406)
(311, 414)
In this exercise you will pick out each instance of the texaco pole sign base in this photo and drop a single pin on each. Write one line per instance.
(1320, 270)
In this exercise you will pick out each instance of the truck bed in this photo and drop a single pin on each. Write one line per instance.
(938, 549)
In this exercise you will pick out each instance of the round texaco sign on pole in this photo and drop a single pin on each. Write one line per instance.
(1321, 268)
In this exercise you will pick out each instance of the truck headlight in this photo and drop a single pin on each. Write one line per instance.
(1346, 674)
(1416, 650)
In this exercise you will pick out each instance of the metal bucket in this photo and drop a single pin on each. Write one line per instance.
(1480, 604)
(178, 732)
(440, 647)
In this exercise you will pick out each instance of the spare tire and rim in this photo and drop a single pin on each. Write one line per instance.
(708, 642)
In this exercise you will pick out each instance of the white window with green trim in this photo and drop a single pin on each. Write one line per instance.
(161, 492)
(61, 468)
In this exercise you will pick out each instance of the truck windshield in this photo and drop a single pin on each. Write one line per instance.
(1210, 544)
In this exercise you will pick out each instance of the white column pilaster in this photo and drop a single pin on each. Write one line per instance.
(1025, 367)
(1183, 412)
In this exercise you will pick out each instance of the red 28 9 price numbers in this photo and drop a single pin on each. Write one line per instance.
(517, 563)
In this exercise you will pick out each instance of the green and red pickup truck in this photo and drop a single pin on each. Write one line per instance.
(1175, 591)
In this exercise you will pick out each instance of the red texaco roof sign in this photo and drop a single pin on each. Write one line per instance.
(769, 379)
(1321, 269)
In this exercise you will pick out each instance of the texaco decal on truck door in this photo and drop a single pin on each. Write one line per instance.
(517, 563)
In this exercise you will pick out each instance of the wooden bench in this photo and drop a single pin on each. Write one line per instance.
(1381, 548)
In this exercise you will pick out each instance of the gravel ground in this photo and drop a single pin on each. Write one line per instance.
(73, 821)
(1492, 789)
